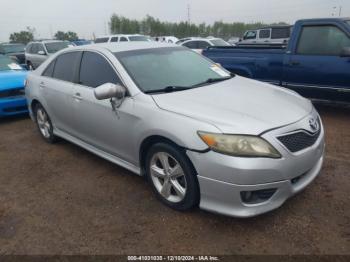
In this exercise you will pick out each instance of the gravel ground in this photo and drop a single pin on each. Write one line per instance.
(61, 199)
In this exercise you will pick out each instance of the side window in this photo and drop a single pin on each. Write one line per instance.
(66, 65)
(101, 40)
(265, 33)
(40, 47)
(115, 39)
(250, 35)
(34, 49)
(191, 44)
(123, 39)
(278, 33)
(322, 40)
(202, 44)
(29, 48)
(95, 71)
(49, 69)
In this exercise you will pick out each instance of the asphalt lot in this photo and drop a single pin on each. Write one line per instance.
(61, 199)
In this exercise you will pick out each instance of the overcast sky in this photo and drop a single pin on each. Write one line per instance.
(91, 16)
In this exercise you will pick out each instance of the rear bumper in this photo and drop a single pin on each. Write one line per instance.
(13, 106)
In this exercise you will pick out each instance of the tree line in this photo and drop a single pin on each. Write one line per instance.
(154, 27)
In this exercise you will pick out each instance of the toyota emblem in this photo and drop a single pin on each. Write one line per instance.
(313, 124)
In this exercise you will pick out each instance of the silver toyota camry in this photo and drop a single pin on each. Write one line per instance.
(200, 135)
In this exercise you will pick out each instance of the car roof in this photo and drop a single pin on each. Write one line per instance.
(125, 46)
(105, 36)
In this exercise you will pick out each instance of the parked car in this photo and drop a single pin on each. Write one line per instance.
(184, 39)
(166, 39)
(12, 81)
(14, 51)
(37, 52)
(122, 38)
(199, 44)
(199, 134)
(234, 40)
(272, 34)
(82, 42)
(315, 63)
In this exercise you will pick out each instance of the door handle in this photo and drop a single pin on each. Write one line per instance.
(77, 97)
(294, 63)
(42, 85)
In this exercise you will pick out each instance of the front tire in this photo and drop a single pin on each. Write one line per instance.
(172, 176)
(44, 124)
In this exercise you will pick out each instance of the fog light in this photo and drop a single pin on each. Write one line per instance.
(256, 197)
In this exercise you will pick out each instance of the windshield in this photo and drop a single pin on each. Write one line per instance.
(56, 46)
(138, 38)
(8, 64)
(158, 68)
(12, 48)
(219, 42)
(348, 22)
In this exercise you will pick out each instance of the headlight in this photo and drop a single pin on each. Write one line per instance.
(239, 145)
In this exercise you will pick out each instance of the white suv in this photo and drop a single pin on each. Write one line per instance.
(122, 38)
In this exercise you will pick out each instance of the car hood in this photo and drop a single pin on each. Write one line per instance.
(238, 105)
(11, 79)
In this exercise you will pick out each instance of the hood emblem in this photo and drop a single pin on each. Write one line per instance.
(314, 124)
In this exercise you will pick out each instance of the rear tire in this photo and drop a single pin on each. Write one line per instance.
(44, 124)
(172, 176)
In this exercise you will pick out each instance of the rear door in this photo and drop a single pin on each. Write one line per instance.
(316, 68)
(57, 86)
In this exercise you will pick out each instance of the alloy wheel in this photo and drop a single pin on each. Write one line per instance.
(43, 122)
(168, 177)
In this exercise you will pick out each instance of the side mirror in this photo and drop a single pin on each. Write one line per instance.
(345, 52)
(109, 90)
(41, 52)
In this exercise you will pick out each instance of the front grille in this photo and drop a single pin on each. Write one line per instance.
(298, 141)
(12, 93)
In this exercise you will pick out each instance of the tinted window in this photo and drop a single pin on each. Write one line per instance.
(114, 39)
(101, 40)
(123, 39)
(138, 38)
(191, 44)
(95, 71)
(49, 70)
(219, 42)
(34, 49)
(202, 44)
(40, 47)
(66, 65)
(322, 40)
(56, 46)
(278, 33)
(265, 33)
(250, 35)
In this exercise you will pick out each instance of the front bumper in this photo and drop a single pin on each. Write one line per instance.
(223, 179)
(13, 106)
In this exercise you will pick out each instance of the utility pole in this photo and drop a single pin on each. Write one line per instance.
(189, 14)
(340, 9)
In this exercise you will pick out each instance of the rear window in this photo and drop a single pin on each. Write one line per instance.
(138, 38)
(265, 33)
(101, 40)
(278, 33)
(66, 65)
(219, 42)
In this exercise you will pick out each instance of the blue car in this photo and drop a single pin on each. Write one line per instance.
(12, 81)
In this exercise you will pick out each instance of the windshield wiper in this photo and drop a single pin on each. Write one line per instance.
(168, 89)
(213, 80)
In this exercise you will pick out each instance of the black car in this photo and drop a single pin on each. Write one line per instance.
(14, 51)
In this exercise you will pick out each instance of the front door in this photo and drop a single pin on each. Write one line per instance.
(316, 68)
(95, 121)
